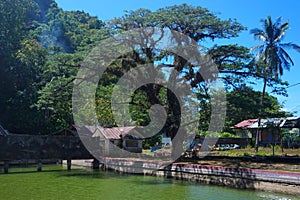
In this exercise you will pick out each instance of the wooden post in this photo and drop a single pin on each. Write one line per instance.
(96, 164)
(39, 166)
(6, 166)
(69, 163)
(103, 167)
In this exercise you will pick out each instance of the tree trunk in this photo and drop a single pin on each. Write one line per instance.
(259, 115)
(273, 146)
(281, 142)
(173, 122)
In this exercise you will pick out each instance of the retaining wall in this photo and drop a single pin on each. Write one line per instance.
(266, 180)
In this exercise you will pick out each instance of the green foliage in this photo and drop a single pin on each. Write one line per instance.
(80, 31)
(42, 47)
(227, 135)
(139, 108)
(21, 56)
(277, 147)
(71, 31)
(272, 52)
(246, 154)
(205, 108)
(271, 57)
(291, 139)
(195, 22)
(150, 142)
(217, 135)
(244, 103)
(37, 78)
(103, 106)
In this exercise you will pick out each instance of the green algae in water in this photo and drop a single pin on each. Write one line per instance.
(57, 183)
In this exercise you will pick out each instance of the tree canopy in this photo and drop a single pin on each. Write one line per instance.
(42, 47)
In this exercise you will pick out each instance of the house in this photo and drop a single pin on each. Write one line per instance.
(268, 134)
(270, 128)
(243, 129)
(117, 137)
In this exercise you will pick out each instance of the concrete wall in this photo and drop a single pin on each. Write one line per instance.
(234, 181)
(243, 142)
(267, 180)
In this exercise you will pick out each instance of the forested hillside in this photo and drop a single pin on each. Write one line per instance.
(41, 49)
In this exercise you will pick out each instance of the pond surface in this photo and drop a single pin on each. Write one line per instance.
(57, 183)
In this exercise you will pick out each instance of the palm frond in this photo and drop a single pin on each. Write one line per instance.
(257, 48)
(274, 61)
(265, 23)
(280, 32)
(269, 29)
(260, 55)
(256, 30)
(272, 54)
(285, 26)
(259, 34)
(280, 68)
(291, 46)
(277, 23)
(285, 55)
(286, 62)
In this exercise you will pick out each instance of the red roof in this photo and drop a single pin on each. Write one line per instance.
(246, 123)
(113, 133)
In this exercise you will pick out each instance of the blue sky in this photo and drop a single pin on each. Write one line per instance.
(248, 13)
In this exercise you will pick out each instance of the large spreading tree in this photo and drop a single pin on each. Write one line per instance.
(200, 25)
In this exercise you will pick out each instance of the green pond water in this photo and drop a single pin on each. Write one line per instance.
(57, 183)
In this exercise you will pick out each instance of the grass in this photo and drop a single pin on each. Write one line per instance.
(148, 152)
(262, 151)
(249, 151)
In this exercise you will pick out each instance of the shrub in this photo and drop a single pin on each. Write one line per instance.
(218, 135)
(246, 154)
(277, 147)
(146, 146)
(227, 135)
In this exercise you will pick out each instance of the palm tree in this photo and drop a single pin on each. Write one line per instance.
(271, 56)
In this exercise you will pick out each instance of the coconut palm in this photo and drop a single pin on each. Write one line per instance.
(272, 57)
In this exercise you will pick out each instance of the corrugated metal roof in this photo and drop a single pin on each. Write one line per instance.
(115, 132)
(289, 122)
(264, 123)
(245, 124)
